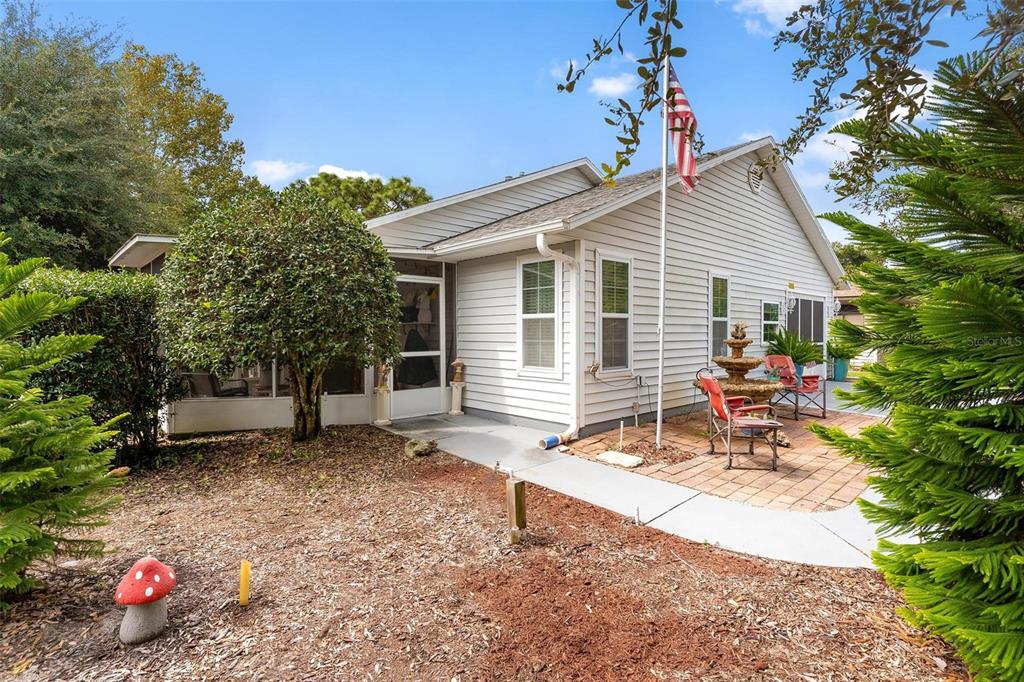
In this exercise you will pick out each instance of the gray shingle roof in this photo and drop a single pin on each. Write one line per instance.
(573, 205)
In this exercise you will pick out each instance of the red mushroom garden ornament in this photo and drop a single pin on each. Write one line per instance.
(143, 591)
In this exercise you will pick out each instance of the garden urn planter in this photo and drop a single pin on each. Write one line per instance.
(840, 368)
(144, 591)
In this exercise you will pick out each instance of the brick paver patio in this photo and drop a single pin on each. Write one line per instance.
(810, 477)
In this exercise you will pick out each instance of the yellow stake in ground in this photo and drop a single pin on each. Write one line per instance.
(243, 583)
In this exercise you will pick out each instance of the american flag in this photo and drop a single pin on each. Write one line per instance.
(683, 126)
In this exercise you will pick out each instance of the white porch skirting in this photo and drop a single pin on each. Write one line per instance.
(203, 415)
(206, 415)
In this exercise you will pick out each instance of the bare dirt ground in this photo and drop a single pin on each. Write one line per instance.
(371, 565)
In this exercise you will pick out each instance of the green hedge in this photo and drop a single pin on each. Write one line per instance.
(126, 371)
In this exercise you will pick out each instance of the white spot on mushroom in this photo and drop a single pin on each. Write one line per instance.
(118, 595)
(171, 573)
(138, 575)
(156, 578)
(149, 591)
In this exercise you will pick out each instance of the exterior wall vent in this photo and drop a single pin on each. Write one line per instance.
(755, 174)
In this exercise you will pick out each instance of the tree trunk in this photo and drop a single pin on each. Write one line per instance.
(307, 387)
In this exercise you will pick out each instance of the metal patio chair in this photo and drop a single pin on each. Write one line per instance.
(206, 384)
(813, 388)
(728, 419)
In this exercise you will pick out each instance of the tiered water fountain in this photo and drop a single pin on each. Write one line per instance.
(736, 365)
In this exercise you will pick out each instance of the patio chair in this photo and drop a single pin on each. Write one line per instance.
(206, 384)
(812, 387)
(728, 419)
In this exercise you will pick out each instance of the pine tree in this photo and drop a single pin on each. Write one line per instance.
(53, 469)
(947, 309)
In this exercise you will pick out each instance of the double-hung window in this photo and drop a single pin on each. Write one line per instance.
(538, 313)
(718, 304)
(615, 309)
(771, 316)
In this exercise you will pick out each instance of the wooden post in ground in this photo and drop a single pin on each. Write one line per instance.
(515, 492)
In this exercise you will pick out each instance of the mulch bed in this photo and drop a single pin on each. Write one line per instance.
(652, 454)
(369, 564)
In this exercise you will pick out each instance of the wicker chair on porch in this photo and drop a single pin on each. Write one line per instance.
(812, 388)
(728, 419)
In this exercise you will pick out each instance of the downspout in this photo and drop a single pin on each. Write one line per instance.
(573, 266)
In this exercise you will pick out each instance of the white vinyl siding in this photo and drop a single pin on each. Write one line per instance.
(538, 282)
(722, 226)
(487, 339)
(448, 221)
(718, 319)
(615, 306)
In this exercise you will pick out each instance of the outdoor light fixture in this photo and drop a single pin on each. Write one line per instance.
(791, 304)
(837, 305)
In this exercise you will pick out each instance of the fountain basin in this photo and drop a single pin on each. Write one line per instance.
(759, 391)
(736, 367)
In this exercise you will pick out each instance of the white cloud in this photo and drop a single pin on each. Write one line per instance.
(755, 28)
(765, 17)
(559, 70)
(751, 135)
(272, 172)
(613, 86)
(345, 173)
(827, 148)
(627, 59)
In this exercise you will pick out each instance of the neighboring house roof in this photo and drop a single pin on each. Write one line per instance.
(585, 165)
(846, 294)
(142, 249)
(576, 209)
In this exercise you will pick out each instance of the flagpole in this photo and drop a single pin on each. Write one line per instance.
(661, 269)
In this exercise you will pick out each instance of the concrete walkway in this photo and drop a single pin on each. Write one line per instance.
(837, 538)
(837, 403)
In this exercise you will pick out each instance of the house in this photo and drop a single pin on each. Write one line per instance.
(848, 310)
(546, 286)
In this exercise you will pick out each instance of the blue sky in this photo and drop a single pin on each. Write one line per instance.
(460, 94)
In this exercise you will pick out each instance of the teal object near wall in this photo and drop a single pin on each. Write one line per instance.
(840, 369)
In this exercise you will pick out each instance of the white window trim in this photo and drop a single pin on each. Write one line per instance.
(712, 276)
(539, 372)
(618, 257)
(779, 323)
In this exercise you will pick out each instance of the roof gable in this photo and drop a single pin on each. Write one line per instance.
(575, 210)
(584, 165)
(571, 211)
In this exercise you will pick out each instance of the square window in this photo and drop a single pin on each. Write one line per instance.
(539, 342)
